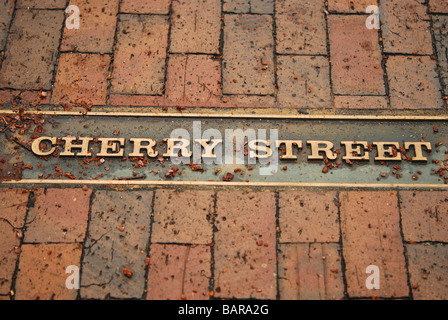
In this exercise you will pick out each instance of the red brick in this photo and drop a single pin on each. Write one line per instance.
(98, 20)
(440, 29)
(440, 6)
(58, 215)
(42, 4)
(413, 83)
(350, 6)
(183, 217)
(301, 27)
(428, 271)
(355, 57)
(196, 26)
(303, 82)
(136, 100)
(6, 10)
(245, 245)
(145, 6)
(237, 6)
(42, 269)
(117, 239)
(371, 236)
(139, 59)
(424, 215)
(308, 217)
(248, 43)
(262, 6)
(81, 79)
(34, 38)
(14, 207)
(25, 97)
(248, 101)
(179, 272)
(406, 27)
(249, 6)
(310, 272)
(360, 102)
(7, 96)
(193, 80)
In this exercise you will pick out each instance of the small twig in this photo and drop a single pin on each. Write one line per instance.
(21, 144)
(9, 222)
(133, 178)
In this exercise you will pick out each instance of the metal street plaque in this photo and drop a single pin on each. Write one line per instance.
(158, 150)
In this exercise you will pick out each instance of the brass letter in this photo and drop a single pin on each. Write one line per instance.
(171, 147)
(69, 146)
(35, 147)
(149, 148)
(111, 144)
(208, 149)
(288, 148)
(255, 145)
(354, 147)
(418, 147)
(315, 150)
(382, 151)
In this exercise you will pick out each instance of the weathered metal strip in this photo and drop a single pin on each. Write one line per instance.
(125, 170)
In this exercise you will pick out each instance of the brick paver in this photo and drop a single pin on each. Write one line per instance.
(6, 10)
(42, 4)
(428, 271)
(300, 211)
(355, 57)
(96, 33)
(371, 236)
(179, 272)
(26, 97)
(136, 100)
(117, 239)
(304, 82)
(245, 258)
(301, 27)
(310, 272)
(413, 83)
(184, 217)
(34, 37)
(145, 6)
(58, 216)
(193, 80)
(81, 79)
(142, 41)
(249, 6)
(440, 27)
(360, 102)
(406, 27)
(13, 204)
(248, 101)
(196, 26)
(350, 6)
(42, 271)
(248, 55)
(439, 6)
(424, 215)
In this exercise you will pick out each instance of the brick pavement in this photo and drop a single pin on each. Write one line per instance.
(269, 245)
(316, 55)
(188, 243)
